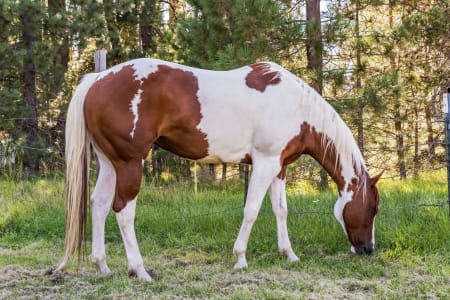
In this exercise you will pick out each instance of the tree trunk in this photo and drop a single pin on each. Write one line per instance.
(360, 121)
(147, 27)
(314, 58)
(176, 7)
(416, 141)
(31, 161)
(401, 164)
(400, 144)
(430, 134)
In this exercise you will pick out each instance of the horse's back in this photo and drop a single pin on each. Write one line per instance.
(198, 114)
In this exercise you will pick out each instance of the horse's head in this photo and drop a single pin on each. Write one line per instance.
(356, 210)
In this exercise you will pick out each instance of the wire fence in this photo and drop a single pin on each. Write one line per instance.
(233, 173)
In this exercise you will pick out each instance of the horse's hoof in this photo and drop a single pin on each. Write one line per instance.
(240, 265)
(105, 275)
(293, 258)
(141, 274)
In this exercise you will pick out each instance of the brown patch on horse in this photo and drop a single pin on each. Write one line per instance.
(118, 204)
(170, 95)
(108, 115)
(262, 76)
(168, 115)
(308, 141)
(282, 174)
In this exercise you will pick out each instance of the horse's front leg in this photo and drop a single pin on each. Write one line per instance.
(279, 207)
(264, 170)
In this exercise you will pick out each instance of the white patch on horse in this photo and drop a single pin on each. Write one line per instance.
(134, 109)
(116, 69)
(239, 120)
(143, 67)
(343, 199)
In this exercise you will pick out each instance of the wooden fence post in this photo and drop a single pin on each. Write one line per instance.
(100, 65)
(100, 60)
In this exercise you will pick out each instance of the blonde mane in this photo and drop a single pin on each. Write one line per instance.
(322, 116)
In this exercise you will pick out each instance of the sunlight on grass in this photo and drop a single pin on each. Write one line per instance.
(189, 238)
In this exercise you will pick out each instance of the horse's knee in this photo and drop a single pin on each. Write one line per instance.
(250, 214)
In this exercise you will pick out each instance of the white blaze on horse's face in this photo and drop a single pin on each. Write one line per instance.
(355, 210)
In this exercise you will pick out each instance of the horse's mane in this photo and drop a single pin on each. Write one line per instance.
(322, 116)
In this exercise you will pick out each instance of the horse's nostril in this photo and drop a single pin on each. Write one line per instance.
(365, 249)
(368, 250)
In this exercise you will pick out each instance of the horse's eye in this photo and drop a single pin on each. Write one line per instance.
(373, 210)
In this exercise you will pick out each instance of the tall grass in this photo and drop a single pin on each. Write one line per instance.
(201, 229)
(210, 219)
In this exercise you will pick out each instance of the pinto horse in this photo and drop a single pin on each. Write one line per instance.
(260, 114)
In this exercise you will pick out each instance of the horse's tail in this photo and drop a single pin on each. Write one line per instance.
(77, 154)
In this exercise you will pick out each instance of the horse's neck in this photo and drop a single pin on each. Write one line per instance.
(325, 153)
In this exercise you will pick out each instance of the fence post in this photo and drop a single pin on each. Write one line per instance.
(99, 66)
(246, 171)
(195, 179)
(100, 60)
(446, 105)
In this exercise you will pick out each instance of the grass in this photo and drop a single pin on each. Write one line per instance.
(187, 240)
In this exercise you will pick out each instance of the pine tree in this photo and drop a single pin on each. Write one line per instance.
(231, 33)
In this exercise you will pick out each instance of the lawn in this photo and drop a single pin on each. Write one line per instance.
(186, 240)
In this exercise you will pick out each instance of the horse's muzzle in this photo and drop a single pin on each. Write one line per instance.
(363, 249)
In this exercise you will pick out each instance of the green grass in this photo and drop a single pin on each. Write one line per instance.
(188, 239)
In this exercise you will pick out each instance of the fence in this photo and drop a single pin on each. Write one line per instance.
(9, 149)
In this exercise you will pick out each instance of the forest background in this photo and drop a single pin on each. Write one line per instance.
(383, 65)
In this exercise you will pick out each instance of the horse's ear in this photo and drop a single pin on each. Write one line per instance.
(374, 180)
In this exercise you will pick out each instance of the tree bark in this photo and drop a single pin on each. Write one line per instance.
(401, 164)
(360, 121)
(314, 58)
(147, 27)
(416, 140)
(430, 135)
(30, 125)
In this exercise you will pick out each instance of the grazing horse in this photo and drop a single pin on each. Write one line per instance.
(260, 114)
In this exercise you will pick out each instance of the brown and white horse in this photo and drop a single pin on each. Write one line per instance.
(260, 114)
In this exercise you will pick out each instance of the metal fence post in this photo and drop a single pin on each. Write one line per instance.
(446, 105)
(195, 179)
(246, 171)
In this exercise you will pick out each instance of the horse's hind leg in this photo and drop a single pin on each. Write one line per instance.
(129, 181)
(279, 207)
(101, 203)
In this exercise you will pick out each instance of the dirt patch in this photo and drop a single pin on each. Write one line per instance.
(173, 279)
(25, 283)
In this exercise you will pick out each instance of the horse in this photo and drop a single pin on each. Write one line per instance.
(260, 114)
